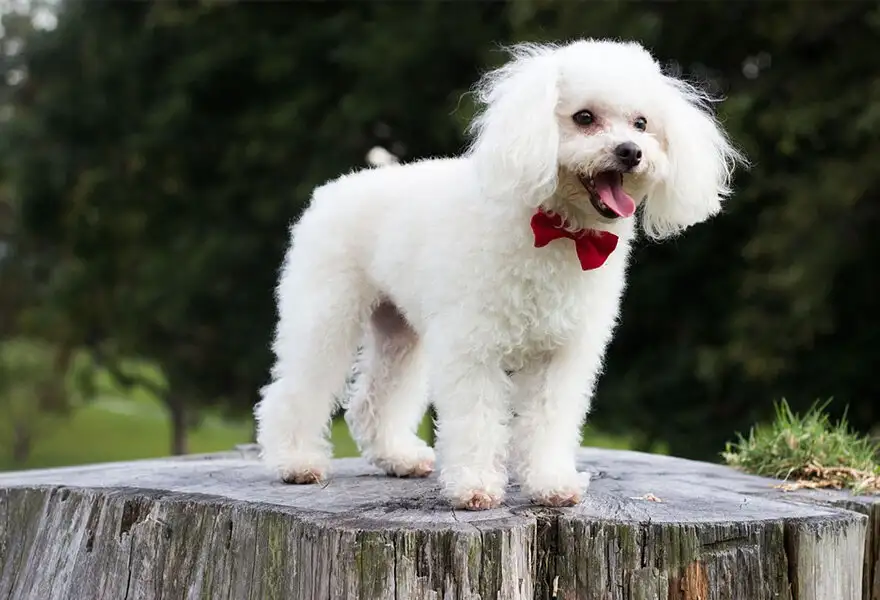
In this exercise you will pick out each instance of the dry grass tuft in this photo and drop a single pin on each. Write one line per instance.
(808, 452)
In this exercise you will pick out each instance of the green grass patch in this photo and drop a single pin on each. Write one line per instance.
(808, 451)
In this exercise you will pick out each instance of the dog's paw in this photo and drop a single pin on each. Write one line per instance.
(305, 462)
(419, 469)
(302, 477)
(413, 460)
(477, 500)
(470, 489)
(557, 490)
(420, 464)
(559, 499)
(299, 468)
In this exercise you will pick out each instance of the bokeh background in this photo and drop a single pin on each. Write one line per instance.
(153, 155)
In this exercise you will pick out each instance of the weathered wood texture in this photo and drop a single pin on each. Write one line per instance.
(220, 526)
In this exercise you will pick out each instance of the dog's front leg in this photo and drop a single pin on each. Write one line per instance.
(550, 402)
(471, 397)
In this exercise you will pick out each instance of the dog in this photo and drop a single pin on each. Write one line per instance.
(488, 282)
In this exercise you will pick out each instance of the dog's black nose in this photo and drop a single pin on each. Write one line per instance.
(629, 154)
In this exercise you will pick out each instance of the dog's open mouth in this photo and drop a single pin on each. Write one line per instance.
(607, 195)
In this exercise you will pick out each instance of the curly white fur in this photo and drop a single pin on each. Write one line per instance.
(431, 267)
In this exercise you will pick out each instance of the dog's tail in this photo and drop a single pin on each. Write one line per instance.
(380, 157)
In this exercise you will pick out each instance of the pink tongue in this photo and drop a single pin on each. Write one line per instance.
(608, 186)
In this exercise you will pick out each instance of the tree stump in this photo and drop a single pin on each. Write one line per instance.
(221, 526)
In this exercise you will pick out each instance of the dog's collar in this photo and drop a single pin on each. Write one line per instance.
(593, 247)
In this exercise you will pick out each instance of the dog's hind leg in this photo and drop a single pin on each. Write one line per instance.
(389, 397)
(323, 306)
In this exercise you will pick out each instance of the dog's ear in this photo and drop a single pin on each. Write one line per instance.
(701, 163)
(516, 136)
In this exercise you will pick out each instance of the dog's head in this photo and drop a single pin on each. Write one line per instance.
(595, 128)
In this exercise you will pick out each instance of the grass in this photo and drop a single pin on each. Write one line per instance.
(808, 451)
(115, 428)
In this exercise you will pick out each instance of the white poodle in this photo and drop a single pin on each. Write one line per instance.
(492, 280)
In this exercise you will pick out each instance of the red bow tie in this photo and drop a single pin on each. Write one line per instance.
(593, 247)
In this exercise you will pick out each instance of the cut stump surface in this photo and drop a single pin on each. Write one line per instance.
(222, 526)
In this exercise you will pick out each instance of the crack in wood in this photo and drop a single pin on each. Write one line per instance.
(872, 564)
(128, 579)
(482, 575)
(4, 533)
(790, 565)
(546, 552)
(229, 527)
(133, 512)
(394, 566)
(725, 544)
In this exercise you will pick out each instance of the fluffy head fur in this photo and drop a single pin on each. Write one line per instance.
(431, 269)
(528, 146)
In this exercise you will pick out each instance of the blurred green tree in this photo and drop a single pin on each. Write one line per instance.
(160, 151)
(157, 152)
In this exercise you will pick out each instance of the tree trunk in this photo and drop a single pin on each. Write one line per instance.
(221, 526)
(177, 411)
(22, 436)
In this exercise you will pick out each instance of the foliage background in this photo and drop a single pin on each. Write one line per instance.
(154, 153)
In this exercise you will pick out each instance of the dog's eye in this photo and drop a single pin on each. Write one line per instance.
(641, 123)
(583, 117)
